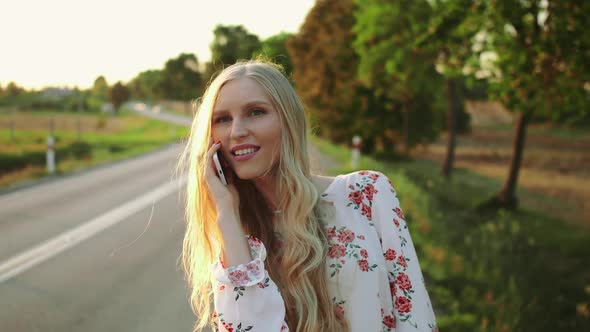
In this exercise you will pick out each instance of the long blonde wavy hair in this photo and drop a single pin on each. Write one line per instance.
(298, 265)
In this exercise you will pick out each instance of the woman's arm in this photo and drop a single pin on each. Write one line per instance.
(413, 310)
(234, 246)
(245, 297)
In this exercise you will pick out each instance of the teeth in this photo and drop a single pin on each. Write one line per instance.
(245, 151)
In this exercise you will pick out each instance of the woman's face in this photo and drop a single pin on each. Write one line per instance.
(244, 114)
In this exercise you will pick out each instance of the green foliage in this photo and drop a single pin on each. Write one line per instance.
(386, 34)
(275, 49)
(325, 74)
(48, 98)
(12, 89)
(98, 94)
(180, 79)
(147, 85)
(537, 57)
(232, 43)
(397, 67)
(118, 94)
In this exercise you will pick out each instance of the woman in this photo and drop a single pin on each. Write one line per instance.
(282, 249)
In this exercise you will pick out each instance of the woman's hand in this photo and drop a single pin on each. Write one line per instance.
(235, 248)
(226, 198)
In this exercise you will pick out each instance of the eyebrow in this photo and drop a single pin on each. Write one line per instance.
(245, 106)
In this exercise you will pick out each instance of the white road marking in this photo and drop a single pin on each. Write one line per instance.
(36, 255)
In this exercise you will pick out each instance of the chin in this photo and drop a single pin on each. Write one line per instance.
(251, 173)
(248, 174)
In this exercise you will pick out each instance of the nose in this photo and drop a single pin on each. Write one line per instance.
(238, 129)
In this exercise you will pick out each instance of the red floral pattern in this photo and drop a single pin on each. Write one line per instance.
(369, 233)
(344, 243)
(389, 254)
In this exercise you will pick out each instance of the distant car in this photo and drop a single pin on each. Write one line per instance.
(156, 109)
(107, 108)
(141, 107)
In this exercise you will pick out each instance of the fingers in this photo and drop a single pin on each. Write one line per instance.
(223, 195)
(210, 164)
(214, 147)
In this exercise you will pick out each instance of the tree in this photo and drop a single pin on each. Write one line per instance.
(324, 72)
(449, 33)
(147, 85)
(232, 43)
(118, 94)
(535, 55)
(275, 48)
(392, 62)
(181, 79)
(98, 94)
(13, 90)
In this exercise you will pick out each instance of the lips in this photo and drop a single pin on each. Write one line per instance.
(242, 147)
(245, 156)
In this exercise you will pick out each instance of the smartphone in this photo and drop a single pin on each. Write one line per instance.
(219, 169)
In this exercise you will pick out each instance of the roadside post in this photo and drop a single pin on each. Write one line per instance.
(50, 155)
(356, 151)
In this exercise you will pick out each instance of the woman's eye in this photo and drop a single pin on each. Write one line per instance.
(257, 110)
(221, 119)
(225, 118)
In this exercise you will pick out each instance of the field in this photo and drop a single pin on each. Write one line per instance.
(555, 165)
(81, 140)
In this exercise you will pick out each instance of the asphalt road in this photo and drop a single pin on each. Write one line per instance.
(121, 277)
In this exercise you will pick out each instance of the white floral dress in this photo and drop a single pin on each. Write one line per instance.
(373, 272)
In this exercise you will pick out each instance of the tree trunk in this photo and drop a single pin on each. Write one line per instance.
(506, 198)
(452, 101)
(405, 129)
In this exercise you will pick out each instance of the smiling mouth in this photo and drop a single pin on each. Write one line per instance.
(244, 157)
(245, 154)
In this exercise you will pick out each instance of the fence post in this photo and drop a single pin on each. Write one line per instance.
(50, 155)
(356, 151)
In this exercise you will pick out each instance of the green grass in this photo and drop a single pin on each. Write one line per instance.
(104, 139)
(487, 271)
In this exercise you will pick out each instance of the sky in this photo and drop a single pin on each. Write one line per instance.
(68, 43)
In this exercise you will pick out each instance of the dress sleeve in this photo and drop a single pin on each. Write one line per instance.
(245, 297)
(412, 307)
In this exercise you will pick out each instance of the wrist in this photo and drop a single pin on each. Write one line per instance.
(228, 218)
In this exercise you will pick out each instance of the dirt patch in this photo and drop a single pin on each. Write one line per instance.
(553, 166)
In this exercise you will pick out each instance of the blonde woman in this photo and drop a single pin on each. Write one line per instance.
(279, 248)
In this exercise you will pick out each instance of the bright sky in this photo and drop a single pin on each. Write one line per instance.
(71, 42)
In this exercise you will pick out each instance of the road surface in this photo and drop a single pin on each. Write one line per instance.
(124, 277)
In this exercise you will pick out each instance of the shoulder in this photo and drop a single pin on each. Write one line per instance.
(359, 188)
(365, 186)
(366, 177)
(322, 182)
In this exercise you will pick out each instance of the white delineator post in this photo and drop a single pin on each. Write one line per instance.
(356, 151)
(50, 155)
